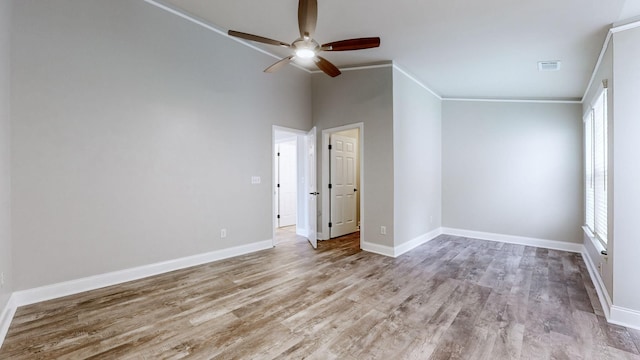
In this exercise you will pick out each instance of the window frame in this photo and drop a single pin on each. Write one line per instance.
(596, 160)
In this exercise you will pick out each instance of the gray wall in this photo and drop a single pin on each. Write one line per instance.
(513, 169)
(5, 140)
(417, 159)
(363, 96)
(135, 135)
(605, 72)
(626, 192)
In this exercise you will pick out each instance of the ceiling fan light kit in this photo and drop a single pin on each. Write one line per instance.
(305, 47)
(305, 53)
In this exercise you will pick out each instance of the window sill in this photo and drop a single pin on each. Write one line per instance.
(596, 243)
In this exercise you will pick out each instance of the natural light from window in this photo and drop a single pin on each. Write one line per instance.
(595, 132)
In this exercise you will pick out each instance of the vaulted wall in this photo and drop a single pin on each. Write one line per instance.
(135, 137)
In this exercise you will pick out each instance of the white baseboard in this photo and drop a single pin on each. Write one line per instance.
(414, 243)
(615, 314)
(31, 296)
(625, 317)
(520, 240)
(603, 295)
(377, 248)
(395, 251)
(5, 318)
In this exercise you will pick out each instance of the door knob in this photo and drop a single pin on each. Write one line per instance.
(314, 193)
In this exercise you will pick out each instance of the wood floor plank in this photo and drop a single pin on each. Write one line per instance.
(353, 338)
(386, 340)
(452, 298)
(618, 337)
(455, 341)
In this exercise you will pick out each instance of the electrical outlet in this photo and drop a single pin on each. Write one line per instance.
(1, 279)
(223, 233)
(383, 230)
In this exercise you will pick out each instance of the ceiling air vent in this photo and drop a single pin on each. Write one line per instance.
(549, 65)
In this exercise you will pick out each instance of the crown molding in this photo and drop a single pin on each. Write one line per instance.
(363, 67)
(534, 101)
(621, 26)
(605, 45)
(439, 97)
(414, 79)
(356, 68)
(164, 5)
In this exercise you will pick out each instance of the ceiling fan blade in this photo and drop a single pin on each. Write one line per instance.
(279, 64)
(328, 68)
(307, 17)
(352, 44)
(257, 38)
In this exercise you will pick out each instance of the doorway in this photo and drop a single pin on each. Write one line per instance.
(286, 160)
(342, 172)
(294, 184)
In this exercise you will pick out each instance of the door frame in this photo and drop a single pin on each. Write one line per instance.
(324, 227)
(301, 213)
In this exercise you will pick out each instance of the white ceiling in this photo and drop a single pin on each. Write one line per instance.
(458, 48)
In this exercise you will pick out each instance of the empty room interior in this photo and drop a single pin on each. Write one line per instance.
(384, 180)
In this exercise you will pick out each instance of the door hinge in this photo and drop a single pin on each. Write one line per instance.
(330, 224)
(330, 186)
(330, 147)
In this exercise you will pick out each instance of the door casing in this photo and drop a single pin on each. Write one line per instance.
(324, 193)
(302, 211)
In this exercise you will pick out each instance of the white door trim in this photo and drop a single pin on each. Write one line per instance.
(311, 185)
(324, 189)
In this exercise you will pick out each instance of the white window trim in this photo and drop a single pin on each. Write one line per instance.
(601, 245)
(588, 118)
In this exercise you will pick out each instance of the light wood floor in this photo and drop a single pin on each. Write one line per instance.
(452, 298)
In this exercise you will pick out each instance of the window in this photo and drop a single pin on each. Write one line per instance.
(595, 139)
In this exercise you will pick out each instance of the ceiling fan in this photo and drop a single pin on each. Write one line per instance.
(305, 47)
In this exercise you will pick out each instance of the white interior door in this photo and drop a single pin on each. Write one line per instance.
(313, 191)
(287, 183)
(343, 185)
